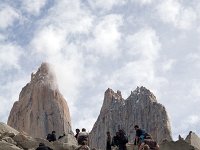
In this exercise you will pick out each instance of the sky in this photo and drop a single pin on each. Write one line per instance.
(98, 44)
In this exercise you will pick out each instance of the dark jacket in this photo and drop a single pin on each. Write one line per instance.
(43, 148)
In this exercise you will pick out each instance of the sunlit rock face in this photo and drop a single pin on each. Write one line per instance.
(140, 108)
(41, 108)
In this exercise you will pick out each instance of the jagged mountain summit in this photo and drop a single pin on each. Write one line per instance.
(41, 108)
(140, 108)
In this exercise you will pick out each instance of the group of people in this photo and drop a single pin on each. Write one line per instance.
(82, 139)
(119, 140)
(51, 137)
(142, 139)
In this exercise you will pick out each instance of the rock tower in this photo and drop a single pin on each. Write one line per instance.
(41, 108)
(140, 108)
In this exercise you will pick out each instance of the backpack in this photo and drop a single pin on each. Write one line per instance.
(49, 137)
(82, 138)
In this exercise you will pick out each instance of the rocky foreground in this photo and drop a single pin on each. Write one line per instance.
(10, 139)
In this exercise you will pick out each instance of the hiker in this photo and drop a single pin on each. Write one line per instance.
(123, 139)
(108, 141)
(51, 137)
(43, 147)
(140, 135)
(77, 132)
(61, 136)
(83, 146)
(115, 140)
(83, 136)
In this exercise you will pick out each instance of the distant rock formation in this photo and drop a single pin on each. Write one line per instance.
(193, 139)
(41, 108)
(140, 108)
(191, 142)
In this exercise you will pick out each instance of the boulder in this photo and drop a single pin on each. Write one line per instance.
(177, 145)
(6, 130)
(8, 146)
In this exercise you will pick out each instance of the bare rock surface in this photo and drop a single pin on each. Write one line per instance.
(177, 145)
(5, 129)
(8, 146)
(22, 141)
(41, 108)
(193, 139)
(140, 108)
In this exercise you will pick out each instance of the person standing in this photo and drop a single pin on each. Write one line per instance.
(115, 140)
(123, 139)
(77, 132)
(108, 141)
(42, 146)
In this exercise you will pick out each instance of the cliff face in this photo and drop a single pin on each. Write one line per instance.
(140, 108)
(41, 108)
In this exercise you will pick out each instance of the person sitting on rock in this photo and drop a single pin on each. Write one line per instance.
(83, 136)
(77, 132)
(140, 135)
(43, 147)
(83, 146)
(51, 137)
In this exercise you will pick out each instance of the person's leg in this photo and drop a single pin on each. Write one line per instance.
(141, 146)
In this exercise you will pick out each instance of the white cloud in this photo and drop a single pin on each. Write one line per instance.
(9, 56)
(33, 6)
(8, 15)
(172, 12)
(49, 40)
(2, 37)
(167, 65)
(105, 4)
(143, 48)
(69, 16)
(143, 2)
(192, 120)
(145, 44)
(106, 37)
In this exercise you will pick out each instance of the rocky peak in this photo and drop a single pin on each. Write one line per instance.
(111, 97)
(140, 92)
(41, 108)
(45, 74)
(140, 108)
